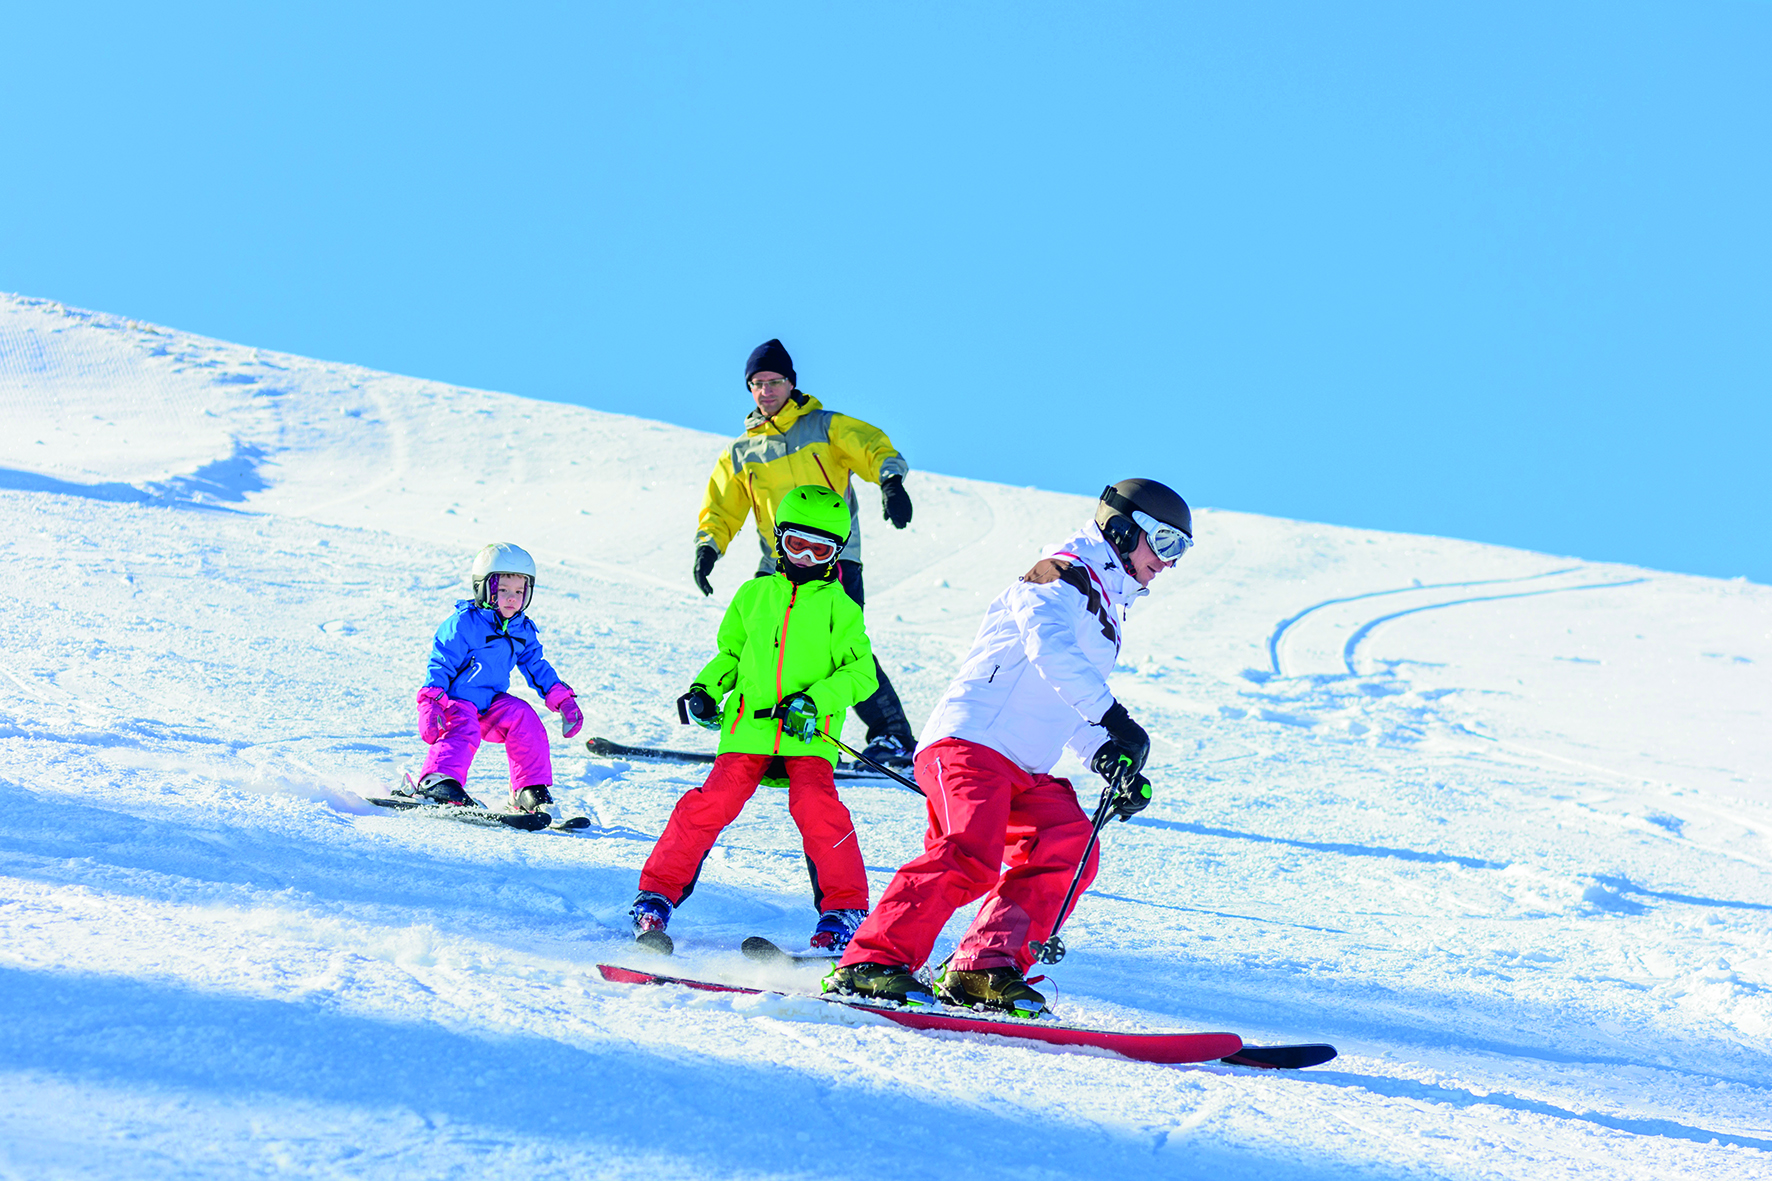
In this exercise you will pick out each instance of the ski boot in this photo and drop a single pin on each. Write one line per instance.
(835, 929)
(891, 751)
(1000, 988)
(533, 799)
(651, 912)
(440, 789)
(878, 982)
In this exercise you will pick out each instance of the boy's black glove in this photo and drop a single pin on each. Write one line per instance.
(1122, 757)
(700, 705)
(705, 557)
(895, 502)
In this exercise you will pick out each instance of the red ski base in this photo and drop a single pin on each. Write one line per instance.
(1140, 1047)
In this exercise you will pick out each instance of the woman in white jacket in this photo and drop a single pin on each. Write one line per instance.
(1033, 686)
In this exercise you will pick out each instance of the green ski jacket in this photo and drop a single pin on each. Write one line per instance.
(778, 639)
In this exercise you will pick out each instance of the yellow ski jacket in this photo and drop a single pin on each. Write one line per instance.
(803, 444)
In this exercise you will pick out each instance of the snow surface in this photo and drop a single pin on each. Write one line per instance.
(1497, 824)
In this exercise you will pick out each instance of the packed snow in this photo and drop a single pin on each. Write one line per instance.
(1497, 824)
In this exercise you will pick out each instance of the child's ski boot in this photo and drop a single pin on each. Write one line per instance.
(440, 789)
(534, 799)
(835, 929)
(651, 913)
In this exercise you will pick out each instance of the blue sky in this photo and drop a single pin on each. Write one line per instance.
(1495, 271)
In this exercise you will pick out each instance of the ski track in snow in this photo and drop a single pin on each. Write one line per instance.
(1498, 825)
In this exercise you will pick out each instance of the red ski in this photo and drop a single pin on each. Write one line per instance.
(1140, 1047)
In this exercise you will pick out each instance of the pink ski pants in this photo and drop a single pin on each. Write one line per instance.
(509, 720)
(839, 881)
(994, 830)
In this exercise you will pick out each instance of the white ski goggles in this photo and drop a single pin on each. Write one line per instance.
(815, 548)
(1167, 542)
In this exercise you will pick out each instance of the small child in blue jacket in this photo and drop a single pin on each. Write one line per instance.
(465, 700)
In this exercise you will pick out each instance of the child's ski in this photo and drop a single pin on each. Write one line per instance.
(1141, 1047)
(527, 821)
(620, 750)
(764, 951)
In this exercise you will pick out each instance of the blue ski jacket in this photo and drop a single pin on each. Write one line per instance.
(475, 653)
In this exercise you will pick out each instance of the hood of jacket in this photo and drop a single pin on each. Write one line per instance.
(799, 403)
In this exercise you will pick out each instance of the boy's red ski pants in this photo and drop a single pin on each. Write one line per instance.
(984, 813)
(840, 881)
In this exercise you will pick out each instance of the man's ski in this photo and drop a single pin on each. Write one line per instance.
(527, 821)
(619, 750)
(1282, 1057)
(1141, 1047)
(764, 951)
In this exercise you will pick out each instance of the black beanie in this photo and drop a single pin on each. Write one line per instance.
(770, 357)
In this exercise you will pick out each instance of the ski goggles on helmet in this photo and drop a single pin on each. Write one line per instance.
(1167, 542)
(813, 548)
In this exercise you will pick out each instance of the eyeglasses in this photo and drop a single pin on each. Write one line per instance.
(815, 549)
(774, 383)
(1167, 542)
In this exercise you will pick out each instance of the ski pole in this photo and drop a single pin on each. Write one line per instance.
(1052, 950)
(859, 757)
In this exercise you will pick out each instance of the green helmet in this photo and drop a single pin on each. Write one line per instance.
(814, 509)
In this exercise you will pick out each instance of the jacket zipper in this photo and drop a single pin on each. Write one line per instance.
(781, 655)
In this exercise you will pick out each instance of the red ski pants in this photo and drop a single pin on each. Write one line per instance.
(839, 880)
(984, 813)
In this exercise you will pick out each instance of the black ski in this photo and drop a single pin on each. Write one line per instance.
(764, 951)
(1282, 1057)
(527, 821)
(621, 750)
(656, 942)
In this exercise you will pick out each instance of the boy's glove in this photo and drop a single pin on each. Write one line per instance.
(433, 708)
(895, 502)
(561, 700)
(699, 704)
(1131, 799)
(799, 716)
(705, 557)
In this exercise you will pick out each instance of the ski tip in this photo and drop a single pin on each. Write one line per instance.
(656, 941)
(573, 823)
(1281, 1057)
(755, 947)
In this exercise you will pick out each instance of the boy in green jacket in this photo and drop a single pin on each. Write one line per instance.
(794, 657)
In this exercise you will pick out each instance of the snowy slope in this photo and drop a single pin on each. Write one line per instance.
(1497, 824)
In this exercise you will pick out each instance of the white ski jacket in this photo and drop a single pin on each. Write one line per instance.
(1035, 682)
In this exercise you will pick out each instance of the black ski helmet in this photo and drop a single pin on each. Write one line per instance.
(1120, 501)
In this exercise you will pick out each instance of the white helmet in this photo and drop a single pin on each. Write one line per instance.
(501, 557)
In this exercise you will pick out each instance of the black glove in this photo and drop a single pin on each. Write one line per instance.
(1122, 757)
(705, 557)
(1130, 799)
(895, 502)
(700, 705)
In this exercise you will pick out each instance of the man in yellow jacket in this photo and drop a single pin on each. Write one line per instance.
(791, 440)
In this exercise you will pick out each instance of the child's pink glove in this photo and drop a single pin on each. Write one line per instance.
(433, 704)
(561, 700)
